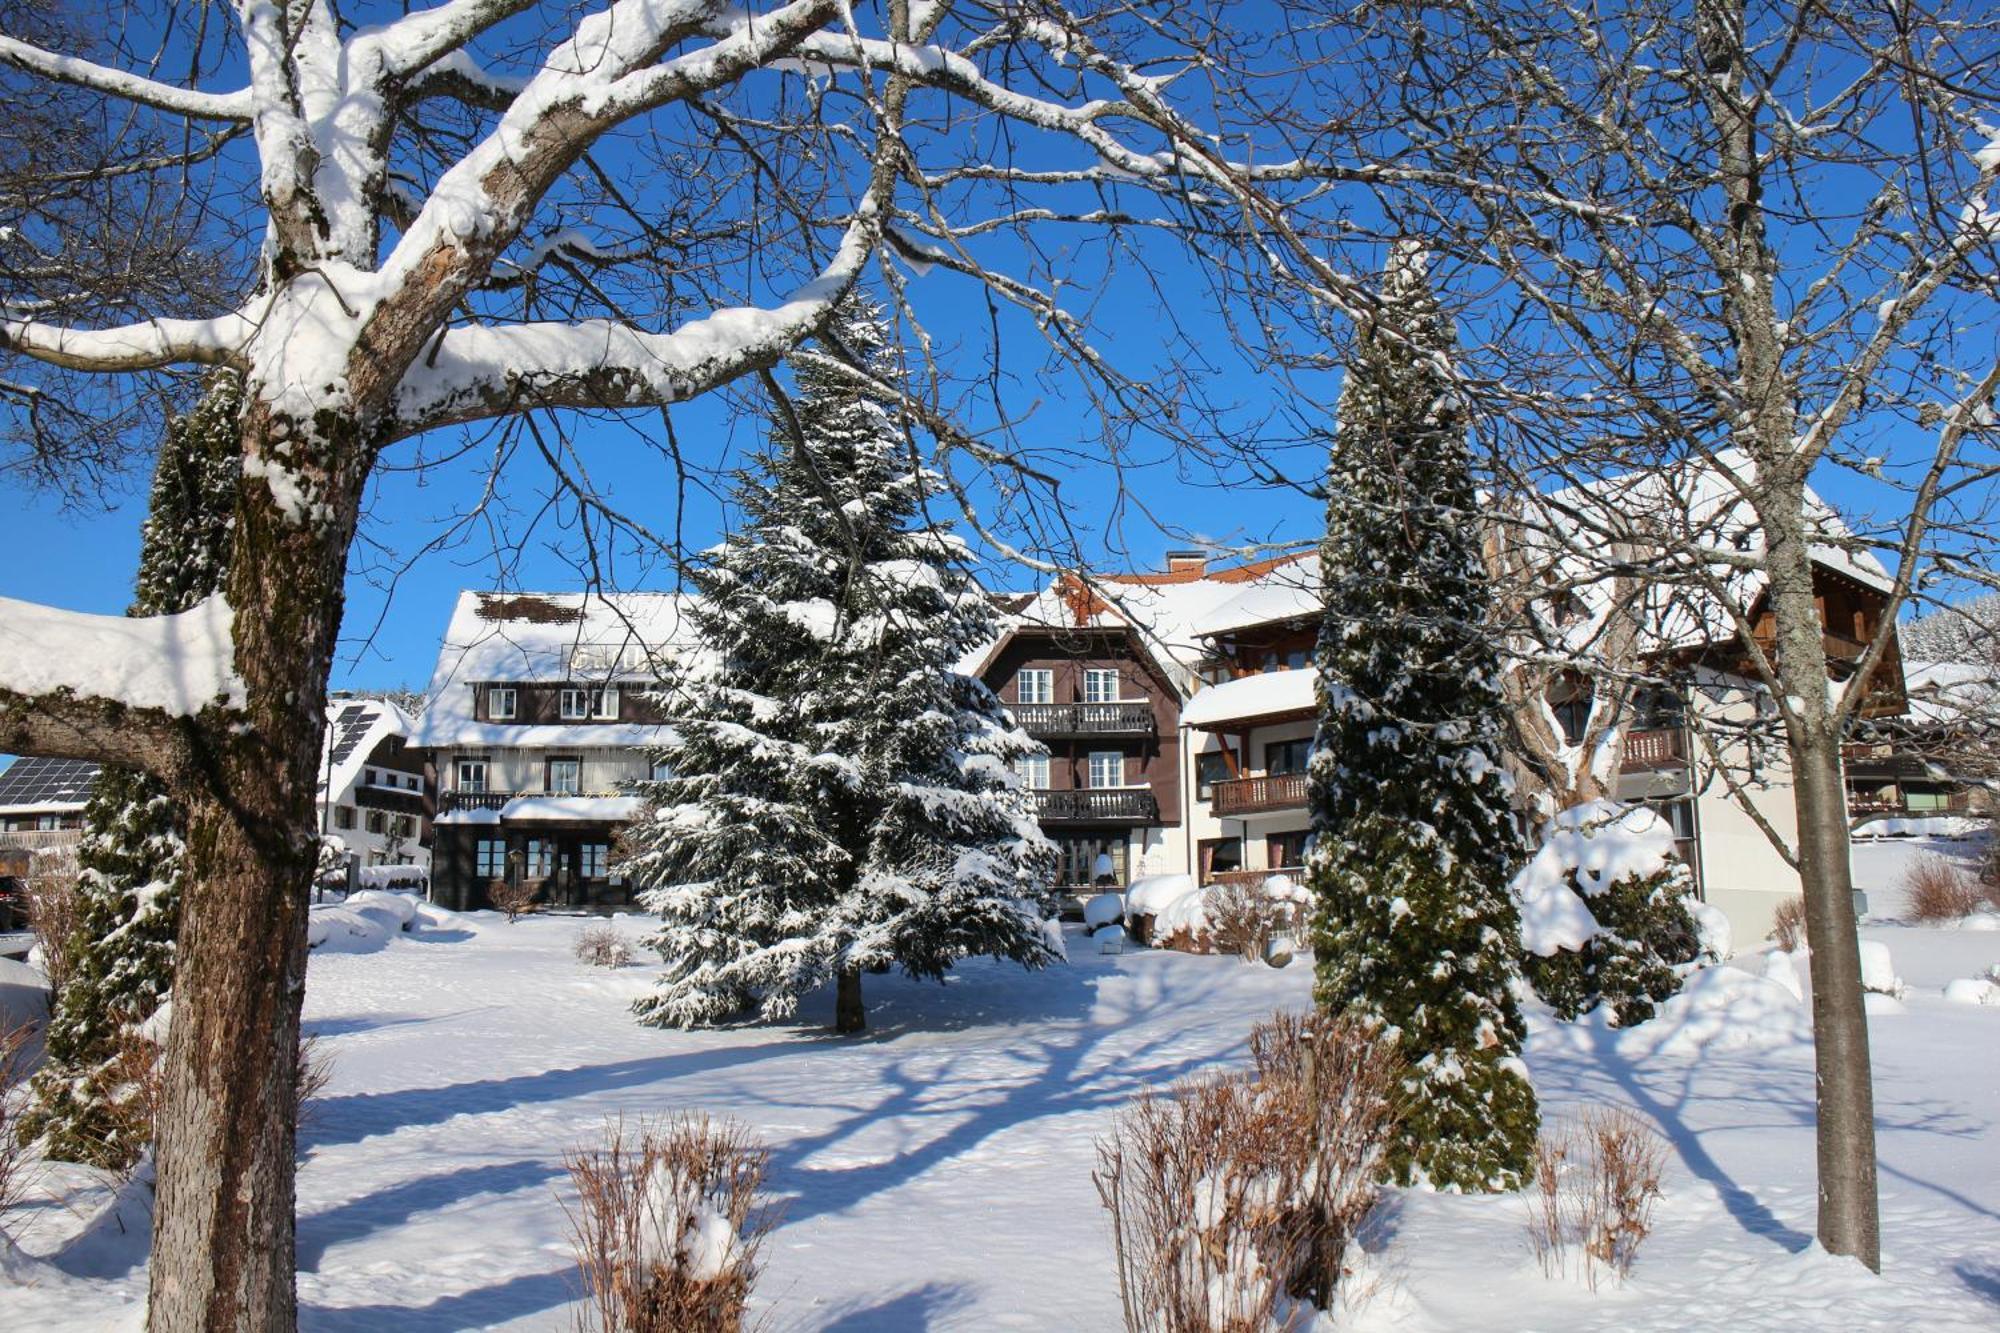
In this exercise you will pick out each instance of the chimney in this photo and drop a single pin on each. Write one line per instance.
(1193, 564)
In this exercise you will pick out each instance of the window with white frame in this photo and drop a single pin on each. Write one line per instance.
(541, 858)
(500, 703)
(575, 703)
(472, 775)
(604, 703)
(1100, 686)
(378, 821)
(490, 855)
(1034, 771)
(592, 859)
(1035, 685)
(662, 770)
(1107, 768)
(565, 777)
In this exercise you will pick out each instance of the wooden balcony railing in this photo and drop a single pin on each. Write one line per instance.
(1250, 879)
(1245, 796)
(1108, 805)
(1126, 718)
(1663, 747)
(454, 799)
(42, 840)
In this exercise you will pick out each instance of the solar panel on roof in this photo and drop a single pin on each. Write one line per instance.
(348, 729)
(31, 780)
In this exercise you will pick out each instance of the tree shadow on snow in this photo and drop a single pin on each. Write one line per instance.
(913, 1311)
(526, 1294)
(1982, 1277)
(370, 1213)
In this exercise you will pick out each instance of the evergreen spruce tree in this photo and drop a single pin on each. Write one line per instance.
(841, 798)
(1414, 927)
(86, 1107)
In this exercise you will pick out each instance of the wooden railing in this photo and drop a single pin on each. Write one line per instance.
(42, 840)
(1243, 796)
(1112, 805)
(1250, 879)
(1664, 747)
(1125, 718)
(454, 799)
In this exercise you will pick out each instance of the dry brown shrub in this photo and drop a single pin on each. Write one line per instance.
(1597, 1177)
(1938, 890)
(603, 945)
(1232, 1198)
(138, 1075)
(16, 1158)
(516, 900)
(667, 1224)
(54, 910)
(1788, 923)
(1242, 919)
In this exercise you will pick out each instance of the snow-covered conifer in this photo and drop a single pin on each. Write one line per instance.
(120, 966)
(840, 797)
(1413, 925)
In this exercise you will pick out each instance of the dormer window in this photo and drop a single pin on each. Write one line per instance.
(500, 703)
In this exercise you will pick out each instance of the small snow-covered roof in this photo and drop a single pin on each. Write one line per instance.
(1953, 693)
(606, 808)
(496, 637)
(1272, 694)
(36, 785)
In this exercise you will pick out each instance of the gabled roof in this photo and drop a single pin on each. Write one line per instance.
(354, 727)
(34, 785)
(498, 637)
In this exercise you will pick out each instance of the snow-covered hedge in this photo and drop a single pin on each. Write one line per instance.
(1606, 912)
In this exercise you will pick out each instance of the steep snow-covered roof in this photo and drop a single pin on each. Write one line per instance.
(354, 727)
(1268, 695)
(1285, 594)
(548, 637)
(33, 784)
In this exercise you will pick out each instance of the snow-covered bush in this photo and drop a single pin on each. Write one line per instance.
(1243, 919)
(1231, 1197)
(603, 945)
(1616, 864)
(1878, 971)
(1597, 1177)
(1103, 910)
(667, 1223)
(1938, 891)
(1788, 924)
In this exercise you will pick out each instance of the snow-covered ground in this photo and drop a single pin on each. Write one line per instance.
(937, 1172)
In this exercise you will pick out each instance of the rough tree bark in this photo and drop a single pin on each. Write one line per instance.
(849, 1012)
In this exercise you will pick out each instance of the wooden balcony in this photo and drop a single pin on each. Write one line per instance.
(1125, 718)
(1661, 748)
(1251, 879)
(1105, 805)
(1249, 796)
(42, 840)
(454, 799)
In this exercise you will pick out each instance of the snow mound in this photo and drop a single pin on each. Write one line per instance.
(1983, 919)
(401, 906)
(346, 930)
(1104, 909)
(1722, 1009)
(1933, 826)
(24, 995)
(1782, 968)
(1712, 923)
(1110, 939)
(1149, 895)
(1878, 972)
(1052, 935)
(1972, 990)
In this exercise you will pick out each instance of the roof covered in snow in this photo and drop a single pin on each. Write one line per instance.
(354, 727)
(34, 785)
(494, 637)
(1272, 694)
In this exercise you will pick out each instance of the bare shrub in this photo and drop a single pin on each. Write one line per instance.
(667, 1224)
(603, 945)
(137, 1079)
(1597, 1177)
(1231, 1198)
(315, 1072)
(54, 911)
(1937, 890)
(15, 1156)
(1788, 923)
(516, 900)
(1243, 919)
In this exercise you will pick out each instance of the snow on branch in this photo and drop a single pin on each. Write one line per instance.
(236, 105)
(482, 369)
(142, 346)
(177, 665)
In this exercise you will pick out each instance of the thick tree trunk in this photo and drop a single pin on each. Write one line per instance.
(848, 1013)
(1849, 1223)
(222, 1253)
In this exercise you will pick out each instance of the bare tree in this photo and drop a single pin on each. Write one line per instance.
(1748, 245)
(505, 211)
